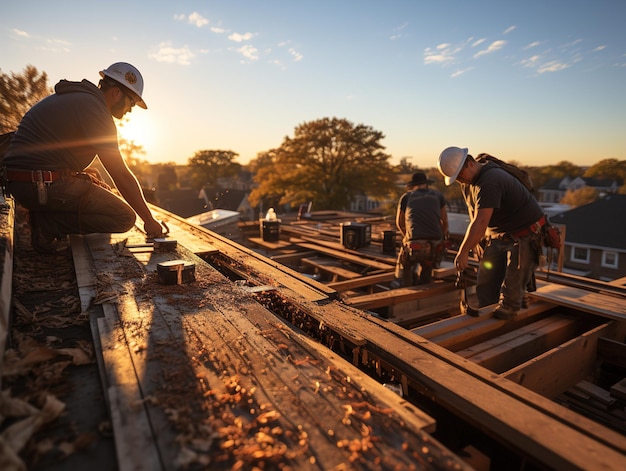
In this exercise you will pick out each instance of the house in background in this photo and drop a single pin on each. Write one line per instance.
(595, 238)
(554, 190)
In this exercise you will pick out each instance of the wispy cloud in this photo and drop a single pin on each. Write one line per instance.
(19, 32)
(174, 55)
(552, 66)
(397, 32)
(493, 47)
(198, 20)
(238, 38)
(599, 48)
(509, 29)
(442, 54)
(459, 72)
(478, 42)
(297, 57)
(531, 45)
(249, 52)
(194, 18)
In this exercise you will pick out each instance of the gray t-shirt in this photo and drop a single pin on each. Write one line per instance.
(65, 130)
(514, 207)
(422, 214)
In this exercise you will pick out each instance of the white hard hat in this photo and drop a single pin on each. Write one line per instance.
(451, 162)
(127, 75)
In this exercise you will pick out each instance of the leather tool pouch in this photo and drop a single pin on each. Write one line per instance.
(551, 236)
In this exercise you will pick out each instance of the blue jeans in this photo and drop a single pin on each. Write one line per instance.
(76, 206)
(505, 269)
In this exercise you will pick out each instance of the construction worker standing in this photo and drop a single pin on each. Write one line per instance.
(506, 220)
(423, 221)
(46, 167)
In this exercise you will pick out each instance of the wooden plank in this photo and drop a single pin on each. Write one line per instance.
(291, 258)
(512, 349)
(446, 270)
(612, 351)
(553, 372)
(134, 442)
(189, 239)
(618, 390)
(347, 256)
(362, 281)
(336, 271)
(392, 297)
(611, 307)
(595, 391)
(496, 341)
(461, 331)
(271, 245)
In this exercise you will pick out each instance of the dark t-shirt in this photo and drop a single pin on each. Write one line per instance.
(514, 207)
(65, 130)
(422, 214)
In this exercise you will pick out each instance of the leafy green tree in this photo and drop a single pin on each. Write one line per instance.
(329, 162)
(611, 169)
(18, 92)
(208, 166)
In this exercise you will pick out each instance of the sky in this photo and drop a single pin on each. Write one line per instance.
(535, 82)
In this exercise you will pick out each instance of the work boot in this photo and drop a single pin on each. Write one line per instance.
(503, 312)
(43, 241)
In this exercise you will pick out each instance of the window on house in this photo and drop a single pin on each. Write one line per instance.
(580, 254)
(610, 259)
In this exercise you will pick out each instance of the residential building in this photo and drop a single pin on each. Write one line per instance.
(595, 238)
(554, 190)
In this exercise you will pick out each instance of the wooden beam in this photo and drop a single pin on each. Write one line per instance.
(596, 392)
(362, 281)
(347, 256)
(331, 267)
(461, 331)
(291, 258)
(553, 372)
(618, 390)
(392, 297)
(611, 307)
(509, 350)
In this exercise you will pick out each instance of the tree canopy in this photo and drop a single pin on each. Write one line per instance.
(18, 92)
(611, 169)
(328, 161)
(208, 166)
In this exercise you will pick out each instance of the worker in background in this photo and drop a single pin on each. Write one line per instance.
(46, 167)
(504, 230)
(422, 220)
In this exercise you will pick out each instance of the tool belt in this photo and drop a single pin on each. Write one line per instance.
(36, 176)
(422, 248)
(41, 179)
(534, 228)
